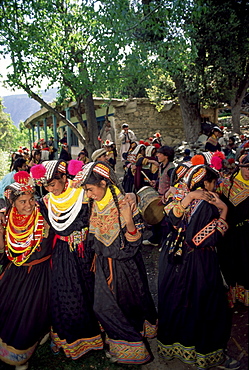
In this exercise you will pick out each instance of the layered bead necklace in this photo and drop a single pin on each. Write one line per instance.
(64, 208)
(23, 235)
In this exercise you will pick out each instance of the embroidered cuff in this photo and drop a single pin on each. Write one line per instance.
(133, 238)
(222, 225)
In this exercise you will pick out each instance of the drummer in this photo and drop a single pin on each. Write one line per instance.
(165, 156)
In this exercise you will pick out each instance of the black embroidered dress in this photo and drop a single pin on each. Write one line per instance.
(193, 314)
(24, 304)
(233, 249)
(122, 300)
(74, 325)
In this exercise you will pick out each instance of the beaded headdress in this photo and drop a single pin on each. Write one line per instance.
(197, 173)
(45, 172)
(178, 172)
(138, 148)
(202, 158)
(244, 161)
(22, 185)
(102, 169)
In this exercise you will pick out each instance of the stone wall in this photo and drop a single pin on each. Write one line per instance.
(144, 119)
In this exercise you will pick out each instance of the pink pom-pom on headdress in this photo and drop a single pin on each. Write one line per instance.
(38, 171)
(219, 154)
(216, 162)
(74, 167)
(22, 177)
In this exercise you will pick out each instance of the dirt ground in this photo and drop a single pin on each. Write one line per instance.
(238, 343)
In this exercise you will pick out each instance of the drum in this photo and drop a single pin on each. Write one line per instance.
(148, 199)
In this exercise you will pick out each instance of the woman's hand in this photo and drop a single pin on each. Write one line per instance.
(131, 199)
(216, 201)
(2, 218)
(153, 183)
(125, 210)
(200, 194)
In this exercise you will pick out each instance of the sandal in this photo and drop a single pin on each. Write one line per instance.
(54, 349)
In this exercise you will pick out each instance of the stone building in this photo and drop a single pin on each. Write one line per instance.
(140, 114)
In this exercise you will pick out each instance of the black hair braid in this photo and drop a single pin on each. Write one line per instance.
(90, 205)
(115, 198)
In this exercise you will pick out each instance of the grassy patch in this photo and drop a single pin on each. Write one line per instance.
(43, 359)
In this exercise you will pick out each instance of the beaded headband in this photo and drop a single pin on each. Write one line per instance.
(101, 168)
(23, 184)
(244, 161)
(196, 173)
(179, 172)
(45, 172)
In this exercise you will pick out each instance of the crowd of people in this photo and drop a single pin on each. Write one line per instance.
(71, 234)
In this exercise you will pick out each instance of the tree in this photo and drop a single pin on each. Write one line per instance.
(203, 47)
(68, 42)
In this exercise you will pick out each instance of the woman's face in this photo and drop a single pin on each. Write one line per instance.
(57, 186)
(25, 204)
(96, 192)
(82, 157)
(245, 173)
(210, 186)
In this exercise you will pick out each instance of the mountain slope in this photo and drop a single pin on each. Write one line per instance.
(20, 106)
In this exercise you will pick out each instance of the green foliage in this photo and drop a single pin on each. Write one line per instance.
(10, 136)
(5, 163)
(44, 360)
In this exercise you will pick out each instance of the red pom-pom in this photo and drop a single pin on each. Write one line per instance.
(141, 142)
(146, 143)
(157, 135)
(150, 138)
(231, 160)
(38, 171)
(156, 145)
(197, 159)
(22, 177)
(216, 162)
(219, 154)
(74, 167)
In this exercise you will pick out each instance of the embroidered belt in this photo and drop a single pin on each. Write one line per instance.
(64, 238)
(75, 240)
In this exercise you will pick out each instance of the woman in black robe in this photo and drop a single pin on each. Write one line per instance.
(75, 328)
(25, 281)
(122, 300)
(233, 248)
(194, 319)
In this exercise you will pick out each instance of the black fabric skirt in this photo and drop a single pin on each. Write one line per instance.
(24, 310)
(194, 319)
(125, 308)
(74, 325)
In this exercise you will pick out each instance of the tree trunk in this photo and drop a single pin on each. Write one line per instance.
(236, 102)
(190, 110)
(92, 126)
